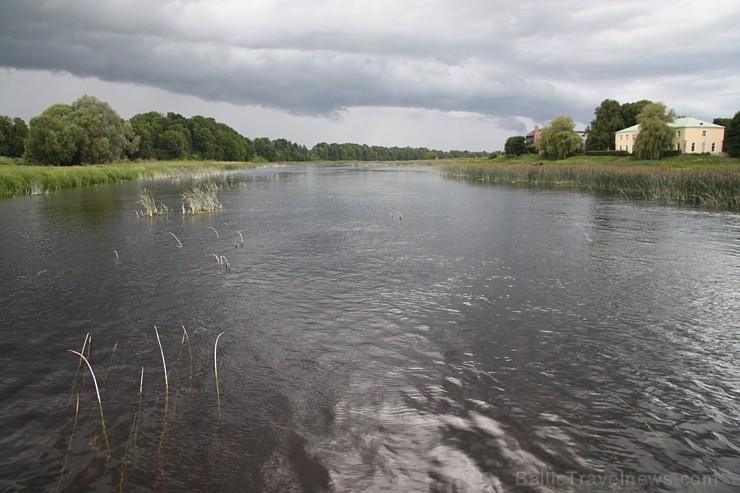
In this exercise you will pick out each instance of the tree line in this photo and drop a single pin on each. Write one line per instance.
(89, 131)
(655, 139)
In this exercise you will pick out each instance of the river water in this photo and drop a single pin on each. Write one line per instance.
(384, 329)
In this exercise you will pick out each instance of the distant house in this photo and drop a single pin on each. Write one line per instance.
(533, 137)
(693, 136)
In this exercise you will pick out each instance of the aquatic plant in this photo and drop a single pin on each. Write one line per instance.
(151, 209)
(21, 179)
(164, 369)
(707, 187)
(179, 244)
(100, 401)
(185, 337)
(201, 199)
(69, 444)
(215, 371)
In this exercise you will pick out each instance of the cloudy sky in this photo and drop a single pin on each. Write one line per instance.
(444, 74)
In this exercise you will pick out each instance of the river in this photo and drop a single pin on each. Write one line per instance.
(384, 329)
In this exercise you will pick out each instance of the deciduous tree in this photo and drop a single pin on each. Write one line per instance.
(515, 146)
(608, 121)
(54, 137)
(559, 140)
(732, 136)
(656, 135)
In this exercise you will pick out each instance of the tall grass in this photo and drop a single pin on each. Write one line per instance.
(709, 187)
(202, 199)
(151, 209)
(19, 179)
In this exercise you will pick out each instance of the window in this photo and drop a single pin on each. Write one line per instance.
(678, 146)
(693, 146)
(678, 134)
(714, 146)
(620, 138)
(703, 133)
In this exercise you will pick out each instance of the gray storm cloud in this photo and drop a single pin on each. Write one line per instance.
(534, 59)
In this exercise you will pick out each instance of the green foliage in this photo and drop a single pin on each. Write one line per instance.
(607, 153)
(608, 120)
(107, 137)
(559, 140)
(732, 136)
(631, 110)
(88, 131)
(54, 137)
(13, 133)
(656, 136)
(516, 145)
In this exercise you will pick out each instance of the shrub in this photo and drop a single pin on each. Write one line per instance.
(607, 153)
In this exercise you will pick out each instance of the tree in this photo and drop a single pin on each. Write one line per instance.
(608, 120)
(559, 140)
(732, 136)
(54, 137)
(516, 145)
(13, 133)
(631, 110)
(17, 139)
(656, 135)
(88, 131)
(107, 136)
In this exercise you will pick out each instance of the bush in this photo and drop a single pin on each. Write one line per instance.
(607, 153)
(673, 153)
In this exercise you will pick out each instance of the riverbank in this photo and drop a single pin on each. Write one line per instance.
(705, 181)
(17, 179)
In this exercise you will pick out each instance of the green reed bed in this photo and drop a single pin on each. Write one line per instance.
(716, 187)
(20, 179)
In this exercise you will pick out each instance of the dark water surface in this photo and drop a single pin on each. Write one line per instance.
(494, 339)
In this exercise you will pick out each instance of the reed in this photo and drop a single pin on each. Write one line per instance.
(225, 265)
(110, 362)
(21, 179)
(132, 437)
(241, 239)
(215, 231)
(100, 401)
(69, 444)
(713, 187)
(151, 209)
(186, 337)
(164, 369)
(79, 365)
(215, 372)
(201, 199)
(179, 244)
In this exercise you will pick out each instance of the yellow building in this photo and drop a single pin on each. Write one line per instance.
(692, 136)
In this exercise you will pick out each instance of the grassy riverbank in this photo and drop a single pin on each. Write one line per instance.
(17, 179)
(696, 180)
(706, 181)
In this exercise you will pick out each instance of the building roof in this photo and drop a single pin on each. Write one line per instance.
(688, 121)
(685, 122)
